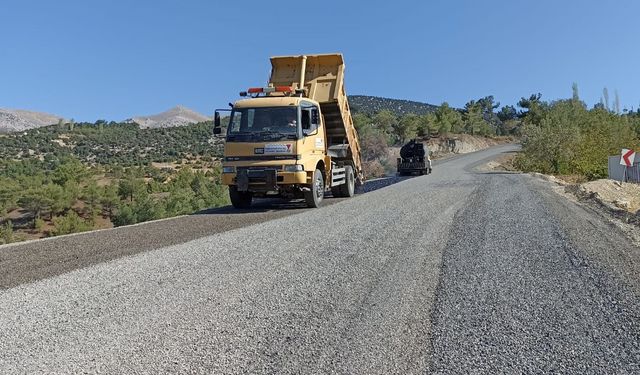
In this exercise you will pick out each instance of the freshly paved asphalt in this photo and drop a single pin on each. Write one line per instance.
(456, 272)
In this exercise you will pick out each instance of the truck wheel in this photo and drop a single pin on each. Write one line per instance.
(240, 199)
(346, 190)
(314, 196)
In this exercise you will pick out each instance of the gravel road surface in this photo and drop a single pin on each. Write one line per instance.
(455, 272)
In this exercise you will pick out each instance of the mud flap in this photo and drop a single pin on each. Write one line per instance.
(242, 180)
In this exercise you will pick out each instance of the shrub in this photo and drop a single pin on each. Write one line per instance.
(373, 169)
(124, 216)
(38, 224)
(6, 232)
(69, 223)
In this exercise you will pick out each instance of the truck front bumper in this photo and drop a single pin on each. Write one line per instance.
(263, 179)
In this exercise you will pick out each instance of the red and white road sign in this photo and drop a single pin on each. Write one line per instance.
(627, 157)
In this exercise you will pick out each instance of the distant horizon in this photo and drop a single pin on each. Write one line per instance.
(67, 118)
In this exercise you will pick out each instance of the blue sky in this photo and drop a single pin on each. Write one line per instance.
(114, 59)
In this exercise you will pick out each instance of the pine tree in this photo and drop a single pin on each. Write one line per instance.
(574, 88)
(60, 126)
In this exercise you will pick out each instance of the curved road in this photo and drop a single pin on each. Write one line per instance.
(456, 272)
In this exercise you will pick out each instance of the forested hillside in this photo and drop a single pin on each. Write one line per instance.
(104, 142)
(73, 177)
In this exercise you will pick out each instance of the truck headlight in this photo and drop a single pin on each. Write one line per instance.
(293, 168)
(228, 169)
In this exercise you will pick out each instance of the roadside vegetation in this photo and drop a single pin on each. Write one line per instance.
(564, 137)
(70, 178)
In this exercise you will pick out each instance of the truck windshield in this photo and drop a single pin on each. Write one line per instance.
(263, 123)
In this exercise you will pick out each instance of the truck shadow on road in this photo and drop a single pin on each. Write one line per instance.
(259, 205)
(380, 183)
(278, 204)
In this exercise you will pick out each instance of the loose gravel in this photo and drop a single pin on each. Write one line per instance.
(521, 294)
(455, 272)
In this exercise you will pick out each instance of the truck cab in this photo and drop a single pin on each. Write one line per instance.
(283, 142)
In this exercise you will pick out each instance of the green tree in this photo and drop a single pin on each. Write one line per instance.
(69, 223)
(385, 121)
(180, 202)
(605, 94)
(146, 209)
(574, 89)
(110, 199)
(448, 119)
(58, 200)
(60, 127)
(9, 191)
(488, 104)
(124, 216)
(130, 187)
(361, 120)
(92, 195)
(507, 113)
(405, 128)
(534, 107)
(34, 201)
(6, 232)
(474, 122)
(427, 124)
(69, 169)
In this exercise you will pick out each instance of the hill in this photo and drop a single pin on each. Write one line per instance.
(124, 144)
(177, 116)
(373, 104)
(15, 120)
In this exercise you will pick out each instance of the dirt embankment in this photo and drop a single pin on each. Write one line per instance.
(462, 144)
(623, 195)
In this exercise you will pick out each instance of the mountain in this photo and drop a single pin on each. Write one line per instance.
(177, 116)
(373, 104)
(15, 120)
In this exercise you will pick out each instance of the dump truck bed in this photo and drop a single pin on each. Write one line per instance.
(323, 81)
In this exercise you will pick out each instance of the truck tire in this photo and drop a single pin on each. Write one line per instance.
(346, 190)
(240, 199)
(314, 196)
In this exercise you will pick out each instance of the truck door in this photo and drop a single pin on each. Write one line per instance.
(311, 129)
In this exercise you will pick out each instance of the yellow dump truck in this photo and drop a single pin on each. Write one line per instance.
(293, 138)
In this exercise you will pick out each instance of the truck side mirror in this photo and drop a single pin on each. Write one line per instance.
(314, 116)
(217, 130)
(217, 126)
